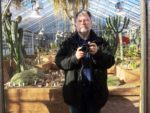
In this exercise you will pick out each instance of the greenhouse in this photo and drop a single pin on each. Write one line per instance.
(35, 32)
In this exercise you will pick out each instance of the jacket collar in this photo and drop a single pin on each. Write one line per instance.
(92, 36)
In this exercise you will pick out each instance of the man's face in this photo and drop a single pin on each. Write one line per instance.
(83, 23)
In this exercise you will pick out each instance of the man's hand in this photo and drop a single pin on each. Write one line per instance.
(93, 48)
(79, 54)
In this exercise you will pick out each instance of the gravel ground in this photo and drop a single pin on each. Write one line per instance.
(122, 104)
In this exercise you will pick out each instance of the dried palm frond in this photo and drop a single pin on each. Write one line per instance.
(67, 6)
(17, 2)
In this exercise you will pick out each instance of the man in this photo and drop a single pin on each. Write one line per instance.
(84, 57)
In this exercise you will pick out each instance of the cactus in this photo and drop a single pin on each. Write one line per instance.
(114, 23)
(27, 77)
(13, 37)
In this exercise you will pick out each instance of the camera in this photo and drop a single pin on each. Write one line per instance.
(85, 48)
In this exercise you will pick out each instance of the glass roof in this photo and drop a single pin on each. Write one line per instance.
(51, 23)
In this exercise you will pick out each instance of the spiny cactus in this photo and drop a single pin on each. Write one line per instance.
(13, 37)
(27, 77)
(114, 23)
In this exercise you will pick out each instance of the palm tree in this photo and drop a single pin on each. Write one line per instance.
(69, 8)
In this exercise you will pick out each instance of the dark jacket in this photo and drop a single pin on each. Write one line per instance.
(66, 60)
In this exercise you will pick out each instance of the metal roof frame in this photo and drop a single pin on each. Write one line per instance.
(100, 9)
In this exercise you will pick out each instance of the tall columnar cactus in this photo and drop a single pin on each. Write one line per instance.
(117, 25)
(13, 37)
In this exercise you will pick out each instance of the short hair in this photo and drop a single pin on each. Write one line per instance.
(83, 10)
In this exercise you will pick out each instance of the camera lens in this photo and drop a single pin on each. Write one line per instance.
(85, 48)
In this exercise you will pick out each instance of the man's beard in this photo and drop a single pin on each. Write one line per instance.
(84, 32)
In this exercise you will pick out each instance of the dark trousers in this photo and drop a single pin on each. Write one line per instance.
(87, 109)
(87, 104)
